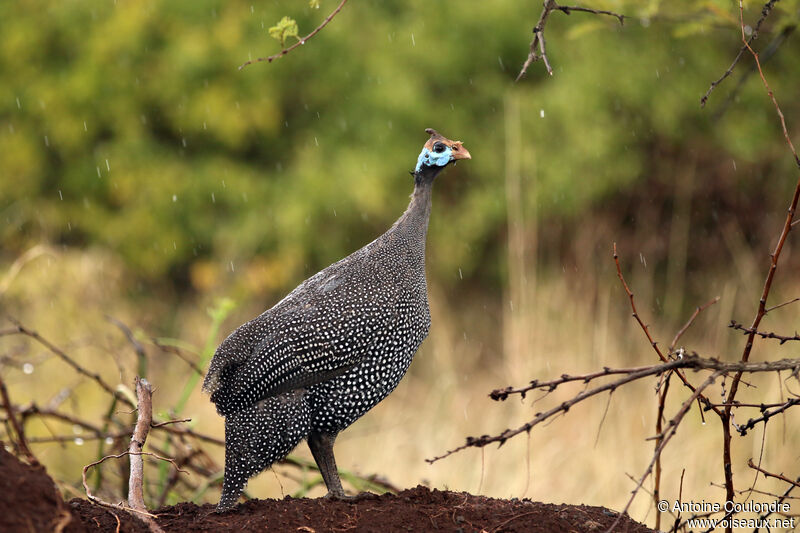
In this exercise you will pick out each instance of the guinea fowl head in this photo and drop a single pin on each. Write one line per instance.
(438, 152)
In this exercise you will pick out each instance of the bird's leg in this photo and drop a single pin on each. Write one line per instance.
(321, 445)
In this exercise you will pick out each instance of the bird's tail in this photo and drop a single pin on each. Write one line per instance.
(258, 436)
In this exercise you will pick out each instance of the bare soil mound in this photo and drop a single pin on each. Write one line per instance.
(29, 501)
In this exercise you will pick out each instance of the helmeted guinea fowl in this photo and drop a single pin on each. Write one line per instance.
(332, 349)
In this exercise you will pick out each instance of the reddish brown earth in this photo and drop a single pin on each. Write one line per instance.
(29, 502)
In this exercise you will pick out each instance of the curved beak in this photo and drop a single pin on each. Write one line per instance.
(459, 152)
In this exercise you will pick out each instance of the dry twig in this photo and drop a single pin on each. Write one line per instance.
(689, 322)
(538, 46)
(763, 334)
(766, 415)
(144, 396)
(20, 443)
(628, 375)
(94, 376)
(787, 226)
(783, 478)
(95, 499)
(765, 11)
(646, 330)
(664, 437)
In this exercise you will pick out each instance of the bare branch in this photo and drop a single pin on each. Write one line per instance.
(629, 375)
(688, 324)
(793, 300)
(168, 422)
(766, 415)
(767, 87)
(763, 334)
(664, 437)
(177, 351)
(95, 499)
(569, 9)
(144, 397)
(776, 476)
(765, 11)
(21, 443)
(538, 41)
(94, 376)
(662, 400)
(646, 330)
(551, 385)
(141, 354)
(787, 226)
(302, 41)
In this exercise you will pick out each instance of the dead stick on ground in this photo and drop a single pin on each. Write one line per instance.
(94, 499)
(144, 397)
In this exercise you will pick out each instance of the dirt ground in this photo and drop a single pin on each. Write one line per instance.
(29, 502)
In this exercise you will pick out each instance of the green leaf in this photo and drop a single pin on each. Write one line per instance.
(286, 27)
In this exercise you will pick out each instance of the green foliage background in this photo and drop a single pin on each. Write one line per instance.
(126, 126)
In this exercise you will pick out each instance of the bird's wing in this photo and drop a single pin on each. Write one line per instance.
(298, 344)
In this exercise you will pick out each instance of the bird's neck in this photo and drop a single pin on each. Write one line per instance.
(415, 219)
(413, 224)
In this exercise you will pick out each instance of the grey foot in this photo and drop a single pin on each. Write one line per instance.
(321, 445)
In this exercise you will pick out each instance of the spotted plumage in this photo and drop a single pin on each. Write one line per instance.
(332, 349)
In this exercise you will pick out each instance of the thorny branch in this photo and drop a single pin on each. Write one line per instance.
(783, 478)
(538, 45)
(628, 375)
(302, 41)
(646, 330)
(763, 334)
(765, 11)
(664, 437)
(766, 415)
(662, 402)
(787, 226)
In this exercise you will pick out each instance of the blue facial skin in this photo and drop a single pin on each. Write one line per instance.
(432, 159)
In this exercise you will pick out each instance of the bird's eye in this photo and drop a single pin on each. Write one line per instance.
(439, 147)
